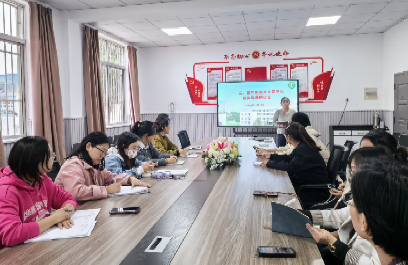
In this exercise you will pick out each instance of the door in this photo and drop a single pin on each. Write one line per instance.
(401, 103)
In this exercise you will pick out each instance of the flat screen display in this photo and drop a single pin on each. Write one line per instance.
(253, 104)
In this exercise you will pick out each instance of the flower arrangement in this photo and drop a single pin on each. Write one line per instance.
(221, 152)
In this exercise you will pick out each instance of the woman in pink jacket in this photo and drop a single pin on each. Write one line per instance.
(84, 174)
(27, 194)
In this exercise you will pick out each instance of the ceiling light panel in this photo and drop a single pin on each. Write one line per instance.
(315, 21)
(176, 31)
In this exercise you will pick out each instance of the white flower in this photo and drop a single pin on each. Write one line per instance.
(206, 160)
(232, 155)
(216, 154)
(210, 153)
(227, 150)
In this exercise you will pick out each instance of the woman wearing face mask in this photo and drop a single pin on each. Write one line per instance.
(146, 131)
(123, 157)
(361, 251)
(379, 210)
(84, 174)
(305, 165)
(284, 114)
(161, 142)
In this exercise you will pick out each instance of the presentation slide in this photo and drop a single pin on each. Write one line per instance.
(253, 104)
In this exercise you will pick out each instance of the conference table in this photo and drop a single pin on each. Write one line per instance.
(212, 217)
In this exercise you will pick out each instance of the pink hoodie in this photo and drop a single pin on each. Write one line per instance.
(21, 206)
(86, 183)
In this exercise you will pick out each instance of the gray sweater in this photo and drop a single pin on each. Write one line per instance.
(280, 116)
(151, 154)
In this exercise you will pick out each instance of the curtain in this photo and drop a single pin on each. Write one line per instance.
(3, 160)
(95, 113)
(47, 100)
(133, 85)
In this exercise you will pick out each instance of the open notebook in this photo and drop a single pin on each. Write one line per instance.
(84, 223)
(190, 156)
(177, 163)
(127, 190)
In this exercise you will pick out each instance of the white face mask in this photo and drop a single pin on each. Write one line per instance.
(132, 154)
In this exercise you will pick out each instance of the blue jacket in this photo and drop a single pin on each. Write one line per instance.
(115, 164)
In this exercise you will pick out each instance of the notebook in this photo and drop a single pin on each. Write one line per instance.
(195, 147)
(177, 163)
(181, 172)
(190, 156)
(257, 163)
(289, 221)
(127, 190)
(84, 223)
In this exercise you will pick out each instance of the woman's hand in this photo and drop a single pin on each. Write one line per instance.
(184, 152)
(336, 193)
(113, 188)
(171, 160)
(148, 166)
(321, 236)
(135, 182)
(341, 186)
(62, 218)
(175, 157)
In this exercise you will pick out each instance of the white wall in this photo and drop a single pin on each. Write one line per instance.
(357, 61)
(395, 56)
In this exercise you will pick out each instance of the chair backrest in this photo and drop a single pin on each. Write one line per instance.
(111, 140)
(334, 163)
(75, 146)
(403, 140)
(349, 146)
(54, 170)
(115, 138)
(183, 140)
(186, 134)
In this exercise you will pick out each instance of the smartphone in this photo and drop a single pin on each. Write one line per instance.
(263, 193)
(276, 252)
(128, 210)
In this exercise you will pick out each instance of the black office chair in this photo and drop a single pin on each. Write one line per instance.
(75, 146)
(115, 138)
(344, 161)
(403, 140)
(111, 141)
(333, 167)
(183, 137)
(54, 170)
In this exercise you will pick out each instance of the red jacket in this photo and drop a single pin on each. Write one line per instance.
(22, 205)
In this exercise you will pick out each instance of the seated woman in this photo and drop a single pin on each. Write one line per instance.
(377, 138)
(147, 132)
(361, 251)
(123, 157)
(379, 211)
(84, 174)
(161, 142)
(302, 119)
(305, 165)
(27, 194)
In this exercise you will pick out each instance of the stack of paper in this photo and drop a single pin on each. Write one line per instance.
(181, 172)
(190, 156)
(84, 223)
(127, 190)
(177, 163)
(195, 147)
(257, 163)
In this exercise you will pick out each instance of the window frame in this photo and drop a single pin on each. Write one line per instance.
(20, 27)
(122, 67)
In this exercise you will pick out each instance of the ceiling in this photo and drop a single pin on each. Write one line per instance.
(358, 17)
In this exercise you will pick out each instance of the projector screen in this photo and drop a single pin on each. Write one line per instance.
(253, 104)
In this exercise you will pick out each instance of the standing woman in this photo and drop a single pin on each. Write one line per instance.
(284, 114)
(161, 142)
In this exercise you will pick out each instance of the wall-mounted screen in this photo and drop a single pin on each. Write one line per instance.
(253, 104)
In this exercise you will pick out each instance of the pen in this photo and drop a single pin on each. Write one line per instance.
(52, 211)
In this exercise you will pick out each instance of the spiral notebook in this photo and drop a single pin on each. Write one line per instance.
(289, 221)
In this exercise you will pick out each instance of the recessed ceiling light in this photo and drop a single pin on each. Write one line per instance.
(314, 21)
(177, 31)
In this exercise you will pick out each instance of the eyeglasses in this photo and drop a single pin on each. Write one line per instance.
(348, 199)
(103, 152)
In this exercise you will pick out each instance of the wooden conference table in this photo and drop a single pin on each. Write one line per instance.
(226, 228)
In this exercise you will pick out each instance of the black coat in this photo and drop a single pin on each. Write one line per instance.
(305, 166)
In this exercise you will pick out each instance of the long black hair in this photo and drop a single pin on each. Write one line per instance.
(383, 139)
(124, 140)
(162, 122)
(370, 156)
(298, 133)
(26, 156)
(95, 138)
(302, 118)
(380, 192)
(144, 127)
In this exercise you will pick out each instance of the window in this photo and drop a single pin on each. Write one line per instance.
(112, 72)
(11, 69)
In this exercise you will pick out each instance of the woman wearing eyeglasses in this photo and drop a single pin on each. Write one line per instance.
(351, 249)
(284, 114)
(123, 157)
(84, 174)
